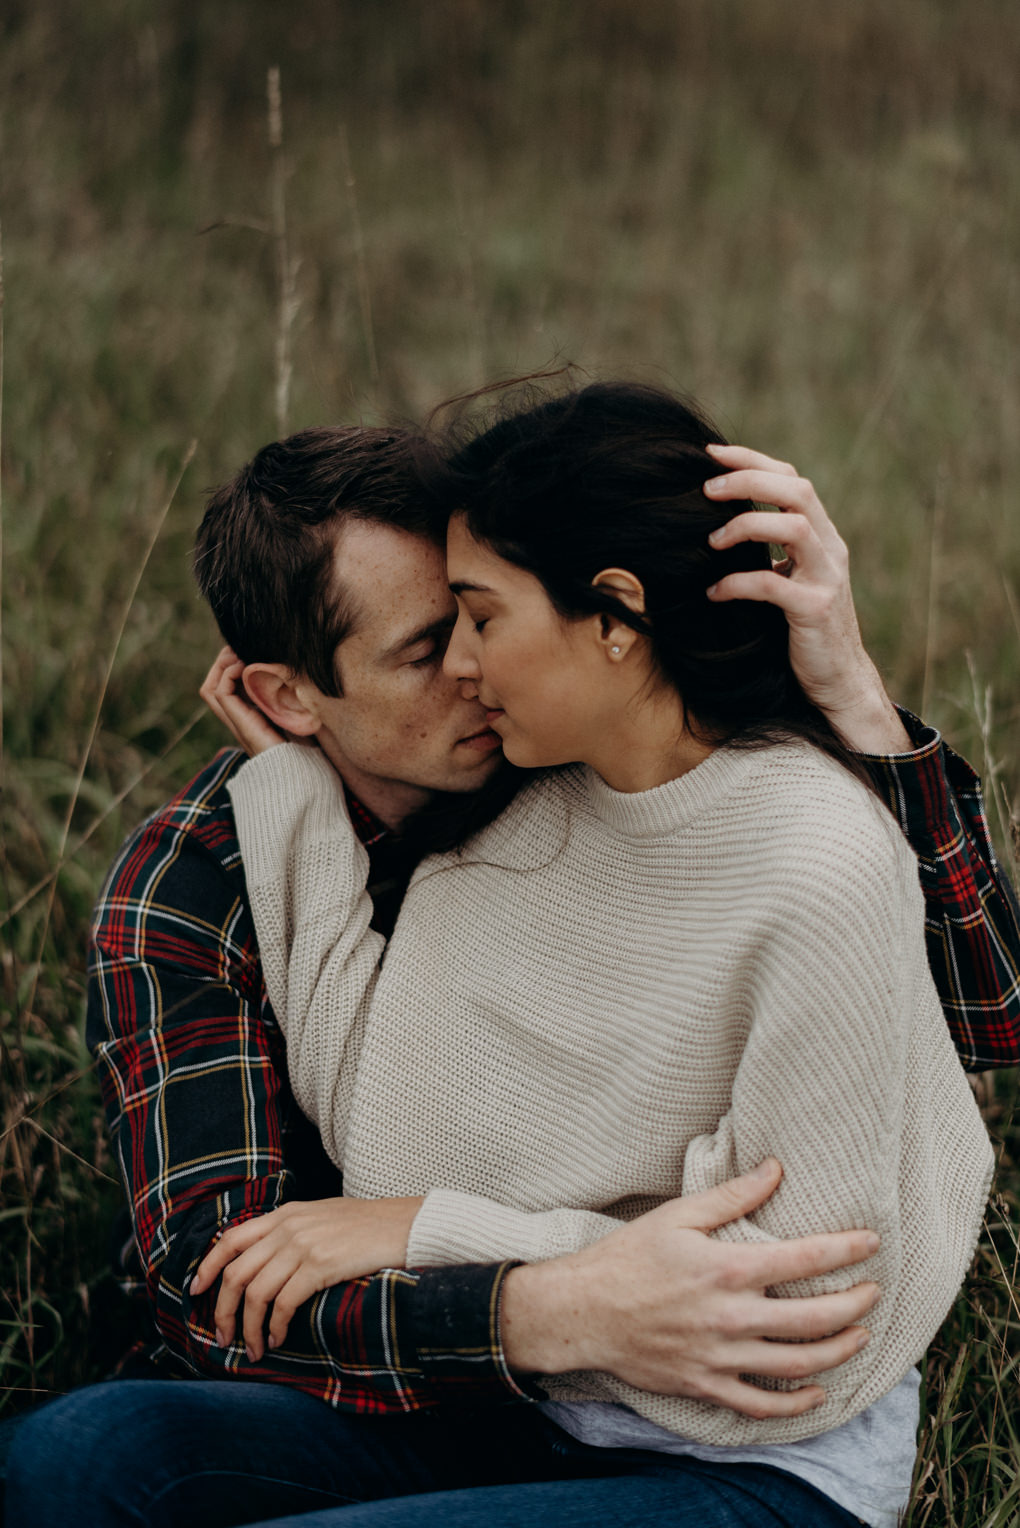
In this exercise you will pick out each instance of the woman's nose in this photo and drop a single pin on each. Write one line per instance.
(459, 661)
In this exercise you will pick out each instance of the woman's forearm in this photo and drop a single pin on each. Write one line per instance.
(306, 874)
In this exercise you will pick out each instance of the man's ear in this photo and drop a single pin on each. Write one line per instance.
(278, 692)
(615, 636)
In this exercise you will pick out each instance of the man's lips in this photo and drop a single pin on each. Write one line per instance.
(483, 742)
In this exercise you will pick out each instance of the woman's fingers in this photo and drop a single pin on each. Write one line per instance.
(298, 1288)
(221, 683)
(224, 693)
(260, 1261)
(235, 1285)
(248, 724)
(233, 1242)
(263, 1290)
(225, 661)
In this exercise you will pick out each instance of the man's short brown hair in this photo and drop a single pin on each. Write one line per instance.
(264, 551)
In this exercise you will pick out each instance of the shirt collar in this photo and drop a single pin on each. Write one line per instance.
(367, 825)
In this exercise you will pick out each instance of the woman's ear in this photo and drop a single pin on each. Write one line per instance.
(278, 692)
(616, 637)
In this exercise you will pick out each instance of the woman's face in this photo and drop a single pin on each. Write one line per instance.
(541, 679)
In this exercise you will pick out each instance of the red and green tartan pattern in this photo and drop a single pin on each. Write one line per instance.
(972, 922)
(207, 1134)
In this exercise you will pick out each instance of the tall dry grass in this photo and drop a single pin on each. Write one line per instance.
(808, 217)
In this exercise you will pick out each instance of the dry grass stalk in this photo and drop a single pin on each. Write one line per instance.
(909, 332)
(931, 624)
(1, 509)
(94, 729)
(286, 268)
(364, 294)
(981, 706)
(199, 714)
(12, 1056)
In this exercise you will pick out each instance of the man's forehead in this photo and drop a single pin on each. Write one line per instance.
(393, 580)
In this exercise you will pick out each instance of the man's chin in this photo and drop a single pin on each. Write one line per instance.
(475, 772)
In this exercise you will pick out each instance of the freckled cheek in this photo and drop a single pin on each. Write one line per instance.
(421, 726)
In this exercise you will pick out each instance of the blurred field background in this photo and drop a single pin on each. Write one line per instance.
(807, 216)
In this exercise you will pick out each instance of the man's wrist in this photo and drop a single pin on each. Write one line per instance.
(546, 1320)
(868, 722)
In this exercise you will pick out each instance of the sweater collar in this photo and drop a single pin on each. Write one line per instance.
(669, 807)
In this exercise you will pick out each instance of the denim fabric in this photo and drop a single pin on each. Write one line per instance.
(213, 1454)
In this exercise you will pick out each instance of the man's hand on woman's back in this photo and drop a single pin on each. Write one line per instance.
(666, 1308)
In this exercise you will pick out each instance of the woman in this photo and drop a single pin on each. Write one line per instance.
(693, 942)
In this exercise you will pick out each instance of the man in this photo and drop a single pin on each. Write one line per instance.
(322, 568)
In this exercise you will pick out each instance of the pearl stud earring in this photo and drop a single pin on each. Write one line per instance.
(616, 649)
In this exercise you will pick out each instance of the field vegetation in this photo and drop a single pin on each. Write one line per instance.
(807, 216)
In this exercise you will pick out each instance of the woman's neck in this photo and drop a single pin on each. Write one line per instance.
(649, 745)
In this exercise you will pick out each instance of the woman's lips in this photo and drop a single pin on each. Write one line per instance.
(493, 716)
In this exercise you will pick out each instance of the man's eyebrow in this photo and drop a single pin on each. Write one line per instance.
(433, 629)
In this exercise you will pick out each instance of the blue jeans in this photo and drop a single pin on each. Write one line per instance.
(193, 1454)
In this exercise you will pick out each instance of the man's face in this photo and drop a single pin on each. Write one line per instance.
(401, 729)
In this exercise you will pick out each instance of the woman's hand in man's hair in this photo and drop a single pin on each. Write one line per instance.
(812, 586)
(224, 693)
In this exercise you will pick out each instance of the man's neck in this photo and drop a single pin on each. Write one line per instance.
(392, 801)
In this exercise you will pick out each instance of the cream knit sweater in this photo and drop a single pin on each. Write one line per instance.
(610, 999)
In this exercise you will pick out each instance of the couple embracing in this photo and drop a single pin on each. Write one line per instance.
(603, 974)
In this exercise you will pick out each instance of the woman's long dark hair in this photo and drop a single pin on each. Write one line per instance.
(611, 475)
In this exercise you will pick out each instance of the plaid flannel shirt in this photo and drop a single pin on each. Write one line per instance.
(193, 1071)
(972, 921)
(205, 1128)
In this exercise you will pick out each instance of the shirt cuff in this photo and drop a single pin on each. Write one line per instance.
(919, 787)
(457, 1332)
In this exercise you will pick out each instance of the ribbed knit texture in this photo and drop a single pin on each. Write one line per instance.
(611, 999)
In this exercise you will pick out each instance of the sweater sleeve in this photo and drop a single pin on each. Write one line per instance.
(306, 876)
(848, 1076)
(455, 1227)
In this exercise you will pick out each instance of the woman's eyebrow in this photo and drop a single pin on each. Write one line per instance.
(460, 586)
